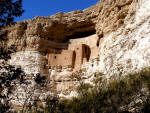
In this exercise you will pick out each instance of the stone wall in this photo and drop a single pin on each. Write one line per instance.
(72, 58)
(66, 58)
(90, 40)
(82, 52)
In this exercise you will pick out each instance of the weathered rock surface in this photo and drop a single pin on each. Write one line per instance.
(126, 49)
(120, 30)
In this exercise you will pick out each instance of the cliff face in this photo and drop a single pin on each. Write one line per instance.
(110, 37)
(126, 49)
(55, 33)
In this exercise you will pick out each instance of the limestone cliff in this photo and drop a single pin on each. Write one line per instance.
(53, 34)
(109, 37)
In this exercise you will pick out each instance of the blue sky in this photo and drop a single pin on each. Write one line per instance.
(49, 7)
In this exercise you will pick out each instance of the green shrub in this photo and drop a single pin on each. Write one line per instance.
(104, 98)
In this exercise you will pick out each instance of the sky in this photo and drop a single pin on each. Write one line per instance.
(49, 7)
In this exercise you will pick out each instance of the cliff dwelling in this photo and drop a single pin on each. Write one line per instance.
(80, 50)
(105, 41)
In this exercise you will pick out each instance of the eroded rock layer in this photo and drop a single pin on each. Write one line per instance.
(109, 37)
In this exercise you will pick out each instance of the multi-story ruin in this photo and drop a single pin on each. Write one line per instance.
(79, 52)
(110, 37)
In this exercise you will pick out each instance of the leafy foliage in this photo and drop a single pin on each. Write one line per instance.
(9, 9)
(106, 98)
(8, 78)
(9, 75)
(41, 80)
(6, 52)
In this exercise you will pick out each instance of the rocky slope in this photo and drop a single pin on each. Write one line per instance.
(121, 29)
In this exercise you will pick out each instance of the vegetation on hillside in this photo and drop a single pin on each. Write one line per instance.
(9, 75)
(122, 95)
